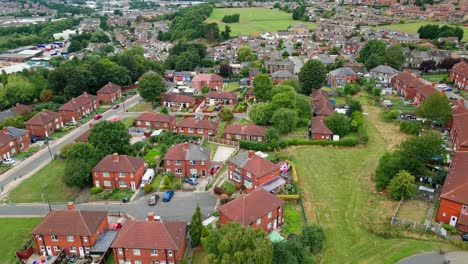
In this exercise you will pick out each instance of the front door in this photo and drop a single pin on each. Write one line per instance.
(49, 251)
(132, 184)
(453, 220)
(81, 251)
(203, 173)
(96, 183)
(275, 224)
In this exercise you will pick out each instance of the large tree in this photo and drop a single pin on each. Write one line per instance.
(339, 124)
(312, 76)
(394, 56)
(235, 244)
(428, 65)
(110, 137)
(261, 113)
(377, 47)
(285, 120)
(81, 158)
(245, 53)
(151, 87)
(196, 227)
(437, 108)
(262, 85)
(313, 237)
(402, 186)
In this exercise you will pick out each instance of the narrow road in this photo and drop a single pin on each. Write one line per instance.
(23, 170)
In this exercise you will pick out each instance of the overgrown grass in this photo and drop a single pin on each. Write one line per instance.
(28, 152)
(414, 210)
(199, 257)
(153, 153)
(128, 121)
(292, 218)
(156, 182)
(435, 78)
(47, 181)
(229, 186)
(14, 233)
(112, 195)
(221, 128)
(141, 107)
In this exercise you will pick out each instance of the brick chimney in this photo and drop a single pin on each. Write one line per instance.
(70, 206)
(115, 157)
(186, 146)
(462, 101)
(5, 129)
(91, 125)
(433, 84)
(73, 100)
(150, 216)
(251, 154)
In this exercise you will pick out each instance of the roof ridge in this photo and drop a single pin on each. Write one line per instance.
(84, 222)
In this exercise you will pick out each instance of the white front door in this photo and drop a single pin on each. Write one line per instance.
(81, 251)
(49, 251)
(453, 220)
(96, 183)
(133, 185)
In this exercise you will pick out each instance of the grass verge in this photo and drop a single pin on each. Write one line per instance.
(141, 107)
(14, 233)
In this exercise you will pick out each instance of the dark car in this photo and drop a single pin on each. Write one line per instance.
(168, 196)
(116, 106)
(453, 98)
(97, 117)
(35, 138)
(153, 199)
(464, 236)
(219, 107)
(192, 181)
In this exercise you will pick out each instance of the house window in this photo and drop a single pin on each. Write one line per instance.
(177, 162)
(236, 177)
(270, 214)
(120, 251)
(54, 238)
(200, 131)
(121, 174)
(147, 123)
(11, 143)
(107, 183)
(138, 122)
(260, 139)
(248, 183)
(137, 261)
(190, 130)
(165, 124)
(105, 174)
(259, 221)
(85, 239)
(464, 208)
(170, 253)
(155, 262)
(269, 225)
(156, 123)
(136, 251)
(56, 248)
(154, 252)
(72, 249)
(70, 238)
(228, 136)
(202, 162)
(122, 184)
(178, 171)
(238, 137)
(87, 250)
(193, 162)
(168, 162)
(39, 237)
(249, 175)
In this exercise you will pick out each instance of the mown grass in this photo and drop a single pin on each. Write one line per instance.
(292, 218)
(141, 107)
(255, 20)
(14, 233)
(47, 181)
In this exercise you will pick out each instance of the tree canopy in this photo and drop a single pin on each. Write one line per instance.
(402, 186)
(312, 76)
(151, 86)
(436, 108)
(110, 137)
(245, 53)
(81, 158)
(262, 84)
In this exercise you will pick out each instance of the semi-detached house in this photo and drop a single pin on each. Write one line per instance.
(78, 107)
(187, 159)
(12, 141)
(44, 123)
(118, 172)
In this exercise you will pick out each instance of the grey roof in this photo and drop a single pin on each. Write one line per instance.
(282, 74)
(197, 152)
(279, 62)
(16, 132)
(5, 114)
(240, 159)
(343, 71)
(384, 69)
(104, 241)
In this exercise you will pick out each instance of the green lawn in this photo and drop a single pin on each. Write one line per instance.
(221, 128)
(50, 176)
(128, 121)
(255, 20)
(156, 181)
(199, 257)
(246, 121)
(436, 78)
(141, 107)
(340, 195)
(231, 86)
(213, 147)
(292, 218)
(14, 233)
(153, 153)
(412, 28)
(338, 99)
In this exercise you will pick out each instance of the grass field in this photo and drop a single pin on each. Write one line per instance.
(255, 20)
(50, 176)
(412, 28)
(199, 257)
(340, 195)
(436, 78)
(128, 121)
(14, 233)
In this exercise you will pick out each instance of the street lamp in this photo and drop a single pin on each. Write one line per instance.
(50, 152)
(47, 196)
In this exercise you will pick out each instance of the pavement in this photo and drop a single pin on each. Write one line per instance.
(455, 257)
(180, 208)
(222, 154)
(23, 170)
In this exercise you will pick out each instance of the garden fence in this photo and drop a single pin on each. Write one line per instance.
(415, 226)
(221, 141)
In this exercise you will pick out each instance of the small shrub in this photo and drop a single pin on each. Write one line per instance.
(96, 190)
(389, 116)
(411, 128)
(451, 229)
(218, 191)
(166, 181)
(215, 213)
(147, 188)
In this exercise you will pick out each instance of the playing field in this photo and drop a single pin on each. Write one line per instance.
(412, 28)
(255, 20)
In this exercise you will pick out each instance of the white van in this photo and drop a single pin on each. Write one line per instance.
(147, 178)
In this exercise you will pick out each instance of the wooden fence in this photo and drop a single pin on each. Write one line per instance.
(221, 141)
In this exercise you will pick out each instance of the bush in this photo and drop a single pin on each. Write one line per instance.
(390, 115)
(451, 229)
(147, 188)
(166, 181)
(219, 191)
(65, 149)
(411, 128)
(96, 190)
(293, 197)
(226, 115)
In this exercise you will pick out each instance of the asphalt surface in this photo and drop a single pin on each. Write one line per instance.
(21, 171)
(180, 208)
(456, 257)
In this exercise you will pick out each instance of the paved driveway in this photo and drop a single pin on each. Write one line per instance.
(223, 153)
(180, 208)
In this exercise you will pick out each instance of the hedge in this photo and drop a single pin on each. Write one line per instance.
(291, 197)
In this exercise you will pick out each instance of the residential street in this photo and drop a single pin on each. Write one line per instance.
(31, 165)
(180, 208)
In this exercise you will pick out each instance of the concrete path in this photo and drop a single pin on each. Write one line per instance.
(223, 153)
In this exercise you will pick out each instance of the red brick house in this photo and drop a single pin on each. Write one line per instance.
(44, 123)
(341, 76)
(406, 84)
(18, 109)
(459, 75)
(118, 172)
(109, 93)
(78, 107)
(254, 172)
(198, 127)
(279, 76)
(225, 98)
(350, 48)
(148, 242)
(214, 81)
(423, 92)
(258, 209)
(323, 108)
(453, 208)
(459, 132)
(155, 121)
(187, 159)
(245, 132)
(70, 230)
(177, 100)
(12, 141)
(318, 130)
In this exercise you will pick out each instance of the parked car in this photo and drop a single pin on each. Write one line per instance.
(116, 106)
(442, 86)
(9, 161)
(192, 181)
(168, 196)
(453, 98)
(153, 199)
(115, 225)
(464, 236)
(218, 107)
(449, 89)
(71, 123)
(97, 117)
(35, 138)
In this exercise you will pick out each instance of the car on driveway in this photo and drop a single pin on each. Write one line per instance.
(219, 107)
(153, 199)
(449, 89)
(442, 86)
(453, 98)
(192, 181)
(168, 196)
(464, 236)
(116, 106)
(97, 117)
(71, 123)
(35, 138)
(9, 161)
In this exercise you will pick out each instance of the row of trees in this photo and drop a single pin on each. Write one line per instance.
(299, 13)
(82, 40)
(282, 106)
(234, 18)
(376, 53)
(186, 56)
(434, 31)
